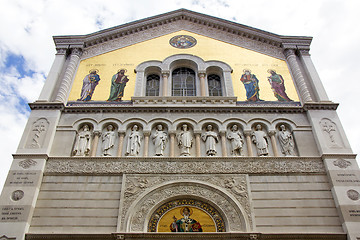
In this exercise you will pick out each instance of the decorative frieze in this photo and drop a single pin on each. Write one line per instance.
(263, 165)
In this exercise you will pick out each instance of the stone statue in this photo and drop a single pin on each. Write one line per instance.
(260, 138)
(185, 140)
(134, 142)
(210, 138)
(286, 141)
(236, 140)
(83, 142)
(159, 139)
(108, 140)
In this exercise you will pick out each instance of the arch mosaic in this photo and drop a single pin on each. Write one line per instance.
(227, 195)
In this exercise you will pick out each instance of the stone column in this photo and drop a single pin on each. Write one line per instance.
(273, 142)
(69, 75)
(316, 83)
(52, 78)
(202, 84)
(146, 143)
(121, 143)
(172, 144)
(247, 134)
(299, 79)
(223, 143)
(197, 143)
(165, 78)
(95, 143)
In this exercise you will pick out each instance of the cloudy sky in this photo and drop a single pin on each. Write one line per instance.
(27, 50)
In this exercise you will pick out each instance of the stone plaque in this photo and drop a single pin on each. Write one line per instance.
(23, 178)
(351, 213)
(14, 213)
(345, 178)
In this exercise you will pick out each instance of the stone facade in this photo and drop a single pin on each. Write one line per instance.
(113, 170)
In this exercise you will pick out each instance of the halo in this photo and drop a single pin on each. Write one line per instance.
(125, 70)
(182, 210)
(269, 70)
(246, 70)
(94, 70)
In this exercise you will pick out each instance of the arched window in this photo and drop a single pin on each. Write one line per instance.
(152, 85)
(214, 85)
(183, 82)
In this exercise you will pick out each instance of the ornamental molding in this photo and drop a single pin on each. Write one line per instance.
(151, 191)
(214, 165)
(182, 19)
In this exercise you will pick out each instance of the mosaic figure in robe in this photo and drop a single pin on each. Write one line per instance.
(251, 84)
(277, 85)
(89, 83)
(185, 224)
(118, 84)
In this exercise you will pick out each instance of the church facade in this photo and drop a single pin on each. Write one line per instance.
(182, 126)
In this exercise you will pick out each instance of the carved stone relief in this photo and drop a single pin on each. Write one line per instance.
(211, 138)
(27, 163)
(159, 138)
(38, 133)
(185, 140)
(236, 140)
(353, 194)
(341, 163)
(66, 166)
(17, 195)
(134, 142)
(286, 141)
(330, 133)
(138, 205)
(261, 141)
(108, 141)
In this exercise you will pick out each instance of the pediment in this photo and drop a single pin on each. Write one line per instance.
(142, 30)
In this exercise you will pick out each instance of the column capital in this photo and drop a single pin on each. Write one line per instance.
(272, 133)
(172, 132)
(202, 73)
(222, 133)
(147, 133)
(121, 132)
(247, 132)
(76, 51)
(289, 52)
(197, 132)
(304, 52)
(61, 51)
(165, 73)
(97, 133)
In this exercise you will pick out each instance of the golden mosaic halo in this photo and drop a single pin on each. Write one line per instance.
(125, 70)
(94, 70)
(182, 210)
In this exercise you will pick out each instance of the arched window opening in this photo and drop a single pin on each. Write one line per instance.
(214, 85)
(183, 82)
(153, 85)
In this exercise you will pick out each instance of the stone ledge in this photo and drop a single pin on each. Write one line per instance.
(194, 236)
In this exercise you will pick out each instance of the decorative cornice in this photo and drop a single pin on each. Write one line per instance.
(320, 106)
(227, 27)
(46, 106)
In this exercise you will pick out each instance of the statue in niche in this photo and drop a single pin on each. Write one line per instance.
(185, 224)
(118, 84)
(89, 83)
(210, 138)
(259, 137)
(159, 139)
(83, 142)
(134, 142)
(38, 133)
(236, 140)
(277, 85)
(108, 140)
(286, 141)
(185, 140)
